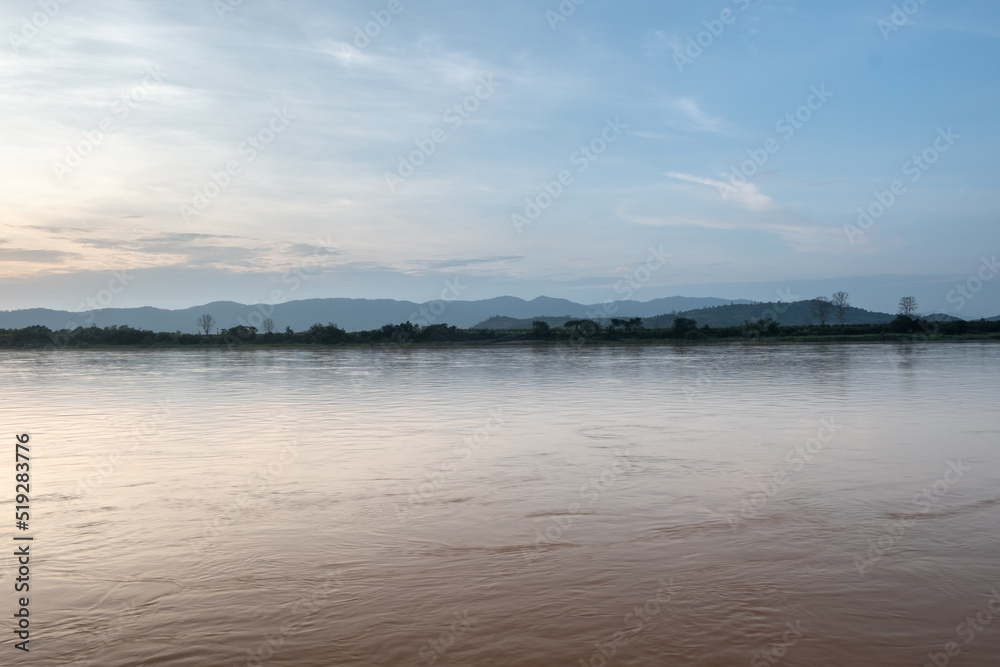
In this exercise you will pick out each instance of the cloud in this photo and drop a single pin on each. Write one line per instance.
(131, 248)
(18, 255)
(456, 263)
(744, 194)
(694, 118)
(648, 134)
(658, 42)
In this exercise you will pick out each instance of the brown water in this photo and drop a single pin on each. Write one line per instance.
(509, 507)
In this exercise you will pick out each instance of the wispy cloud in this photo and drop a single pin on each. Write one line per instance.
(745, 194)
(112, 247)
(688, 115)
(48, 256)
(458, 263)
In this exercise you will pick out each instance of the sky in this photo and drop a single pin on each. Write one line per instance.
(173, 153)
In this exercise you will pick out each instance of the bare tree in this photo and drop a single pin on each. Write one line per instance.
(206, 322)
(907, 306)
(821, 309)
(268, 325)
(840, 304)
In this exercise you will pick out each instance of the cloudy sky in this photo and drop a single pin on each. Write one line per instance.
(213, 149)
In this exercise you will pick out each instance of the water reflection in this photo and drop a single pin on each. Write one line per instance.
(626, 506)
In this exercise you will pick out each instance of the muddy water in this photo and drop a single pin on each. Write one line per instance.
(796, 505)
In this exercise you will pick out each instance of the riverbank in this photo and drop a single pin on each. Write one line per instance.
(576, 334)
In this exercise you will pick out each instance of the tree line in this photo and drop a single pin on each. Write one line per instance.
(904, 327)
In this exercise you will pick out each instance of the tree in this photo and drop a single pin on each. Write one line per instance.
(205, 323)
(540, 330)
(840, 304)
(821, 309)
(331, 334)
(682, 325)
(268, 325)
(907, 306)
(903, 324)
(585, 328)
(239, 334)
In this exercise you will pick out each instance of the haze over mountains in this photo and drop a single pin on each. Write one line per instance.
(497, 313)
(729, 315)
(349, 314)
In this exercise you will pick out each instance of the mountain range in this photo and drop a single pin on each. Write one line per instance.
(349, 314)
(787, 314)
(498, 313)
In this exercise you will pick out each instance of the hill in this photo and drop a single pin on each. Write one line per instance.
(798, 313)
(788, 314)
(349, 314)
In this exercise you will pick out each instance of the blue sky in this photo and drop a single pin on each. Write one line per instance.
(121, 119)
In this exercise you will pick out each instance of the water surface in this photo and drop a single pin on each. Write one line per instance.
(539, 506)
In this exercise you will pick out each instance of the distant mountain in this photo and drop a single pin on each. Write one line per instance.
(502, 322)
(789, 314)
(993, 319)
(941, 317)
(349, 314)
